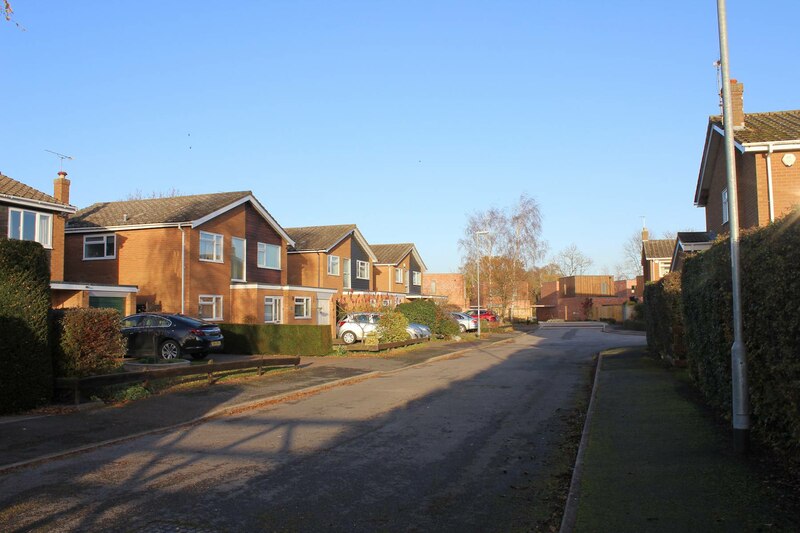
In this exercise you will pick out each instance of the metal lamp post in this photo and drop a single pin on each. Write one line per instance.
(484, 232)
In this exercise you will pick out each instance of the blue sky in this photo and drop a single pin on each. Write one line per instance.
(401, 117)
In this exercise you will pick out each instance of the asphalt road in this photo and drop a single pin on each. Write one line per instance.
(464, 444)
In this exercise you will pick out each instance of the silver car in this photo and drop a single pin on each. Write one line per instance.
(355, 326)
(465, 322)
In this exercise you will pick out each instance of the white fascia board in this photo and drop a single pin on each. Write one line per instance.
(775, 145)
(364, 244)
(258, 207)
(419, 259)
(739, 146)
(703, 165)
(74, 286)
(267, 286)
(41, 204)
(108, 229)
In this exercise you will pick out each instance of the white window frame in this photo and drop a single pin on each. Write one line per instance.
(365, 266)
(263, 248)
(333, 260)
(215, 301)
(398, 273)
(244, 258)
(277, 309)
(305, 301)
(37, 228)
(417, 278)
(724, 195)
(217, 243)
(105, 237)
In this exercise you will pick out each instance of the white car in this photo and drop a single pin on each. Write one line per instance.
(355, 326)
(465, 322)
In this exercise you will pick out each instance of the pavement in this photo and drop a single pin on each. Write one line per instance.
(653, 458)
(29, 439)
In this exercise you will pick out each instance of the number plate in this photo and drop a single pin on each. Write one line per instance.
(216, 343)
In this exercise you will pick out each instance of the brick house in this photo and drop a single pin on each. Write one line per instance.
(565, 298)
(334, 257)
(448, 288)
(767, 146)
(29, 214)
(398, 272)
(221, 257)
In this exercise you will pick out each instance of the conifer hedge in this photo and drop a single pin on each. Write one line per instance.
(26, 369)
(770, 268)
(277, 339)
(664, 318)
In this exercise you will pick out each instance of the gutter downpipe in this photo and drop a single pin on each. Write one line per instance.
(740, 402)
(770, 148)
(183, 270)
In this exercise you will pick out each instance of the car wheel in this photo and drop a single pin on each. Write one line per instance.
(199, 356)
(349, 337)
(170, 350)
(462, 328)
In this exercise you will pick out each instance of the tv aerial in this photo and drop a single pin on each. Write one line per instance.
(62, 157)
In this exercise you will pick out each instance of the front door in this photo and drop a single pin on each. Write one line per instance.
(346, 283)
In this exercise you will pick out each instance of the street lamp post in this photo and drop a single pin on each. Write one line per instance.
(484, 232)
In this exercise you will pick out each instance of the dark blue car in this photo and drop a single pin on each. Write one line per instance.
(170, 335)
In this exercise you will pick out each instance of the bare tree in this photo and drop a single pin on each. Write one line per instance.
(512, 245)
(631, 264)
(571, 261)
(139, 195)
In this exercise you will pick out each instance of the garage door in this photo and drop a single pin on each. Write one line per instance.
(108, 301)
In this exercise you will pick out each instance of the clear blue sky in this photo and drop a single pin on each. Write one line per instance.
(400, 117)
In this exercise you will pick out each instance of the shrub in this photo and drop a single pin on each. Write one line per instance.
(664, 317)
(770, 276)
(392, 327)
(273, 339)
(26, 369)
(86, 341)
(428, 313)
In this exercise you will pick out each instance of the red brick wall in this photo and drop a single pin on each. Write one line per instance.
(450, 285)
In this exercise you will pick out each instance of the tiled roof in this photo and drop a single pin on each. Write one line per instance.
(12, 187)
(766, 127)
(695, 236)
(315, 238)
(391, 254)
(658, 248)
(152, 211)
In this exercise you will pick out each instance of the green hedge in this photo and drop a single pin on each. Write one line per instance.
(770, 267)
(277, 339)
(86, 342)
(26, 369)
(428, 313)
(664, 317)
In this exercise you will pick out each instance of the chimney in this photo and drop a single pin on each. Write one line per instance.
(645, 234)
(61, 188)
(737, 105)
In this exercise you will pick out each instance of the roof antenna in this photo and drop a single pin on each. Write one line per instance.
(62, 157)
(643, 222)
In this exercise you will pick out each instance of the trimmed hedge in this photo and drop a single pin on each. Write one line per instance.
(26, 368)
(428, 313)
(770, 267)
(664, 317)
(86, 342)
(274, 339)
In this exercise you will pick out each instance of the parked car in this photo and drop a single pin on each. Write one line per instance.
(170, 335)
(465, 322)
(484, 314)
(355, 326)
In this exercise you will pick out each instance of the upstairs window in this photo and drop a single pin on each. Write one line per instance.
(725, 206)
(238, 247)
(363, 270)
(210, 247)
(417, 278)
(26, 225)
(398, 275)
(269, 256)
(333, 265)
(99, 247)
